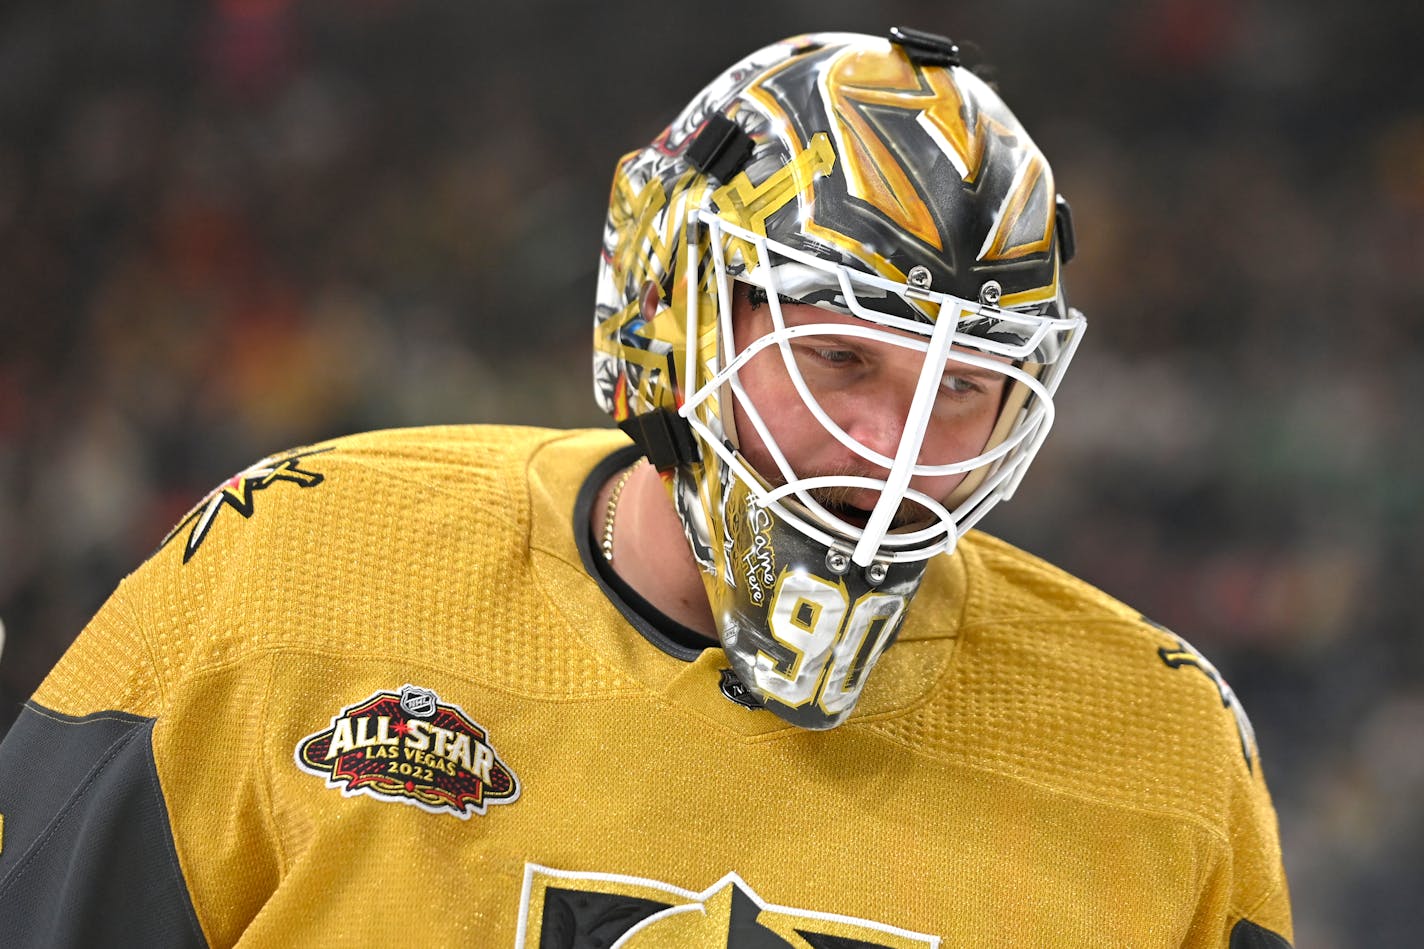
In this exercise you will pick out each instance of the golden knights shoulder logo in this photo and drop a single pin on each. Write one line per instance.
(1183, 653)
(238, 493)
(564, 910)
(408, 746)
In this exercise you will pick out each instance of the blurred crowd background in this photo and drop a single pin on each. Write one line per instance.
(230, 228)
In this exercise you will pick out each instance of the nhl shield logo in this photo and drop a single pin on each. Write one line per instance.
(418, 702)
(733, 688)
(409, 747)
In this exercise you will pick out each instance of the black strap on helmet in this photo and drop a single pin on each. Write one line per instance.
(664, 436)
(925, 49)
(1063, 224)
(721, 149)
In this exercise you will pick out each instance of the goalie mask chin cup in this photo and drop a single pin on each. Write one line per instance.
(801, 624)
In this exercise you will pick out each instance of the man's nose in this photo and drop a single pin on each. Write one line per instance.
(875, 417)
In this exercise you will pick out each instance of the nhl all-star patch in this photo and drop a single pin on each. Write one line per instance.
(237, 493)
(410, 747)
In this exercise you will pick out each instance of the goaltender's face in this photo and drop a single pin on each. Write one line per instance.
(866, 387)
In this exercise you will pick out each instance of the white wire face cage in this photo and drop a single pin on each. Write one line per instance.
(1031, 351)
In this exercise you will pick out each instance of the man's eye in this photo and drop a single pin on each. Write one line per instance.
(836, 356)
(959, 385)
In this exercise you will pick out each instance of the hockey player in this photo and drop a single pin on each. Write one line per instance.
(740, 674)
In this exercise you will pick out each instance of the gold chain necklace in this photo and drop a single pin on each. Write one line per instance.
(612, 509)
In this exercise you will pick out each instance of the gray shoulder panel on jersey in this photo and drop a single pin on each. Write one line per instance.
(1247, 935)
(87, 857)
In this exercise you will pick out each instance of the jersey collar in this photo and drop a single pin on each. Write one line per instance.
(563, 477)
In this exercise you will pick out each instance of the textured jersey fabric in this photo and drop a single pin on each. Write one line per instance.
(387, 704)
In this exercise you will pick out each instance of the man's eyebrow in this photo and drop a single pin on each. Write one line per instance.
(976, 372)
(837, 338)
(827, 339)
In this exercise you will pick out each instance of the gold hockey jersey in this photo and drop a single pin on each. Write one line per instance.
(373, 693)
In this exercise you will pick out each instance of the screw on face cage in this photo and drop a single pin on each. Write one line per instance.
(876, 572)
(989, 293)
(837, 561)
(918, 277)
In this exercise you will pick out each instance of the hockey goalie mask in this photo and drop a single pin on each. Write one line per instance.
(861, 228)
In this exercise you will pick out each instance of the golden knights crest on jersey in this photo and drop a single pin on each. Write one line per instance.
(563, 910)
(408, 746)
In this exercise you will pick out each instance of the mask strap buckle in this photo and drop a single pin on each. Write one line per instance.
(664, 436)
